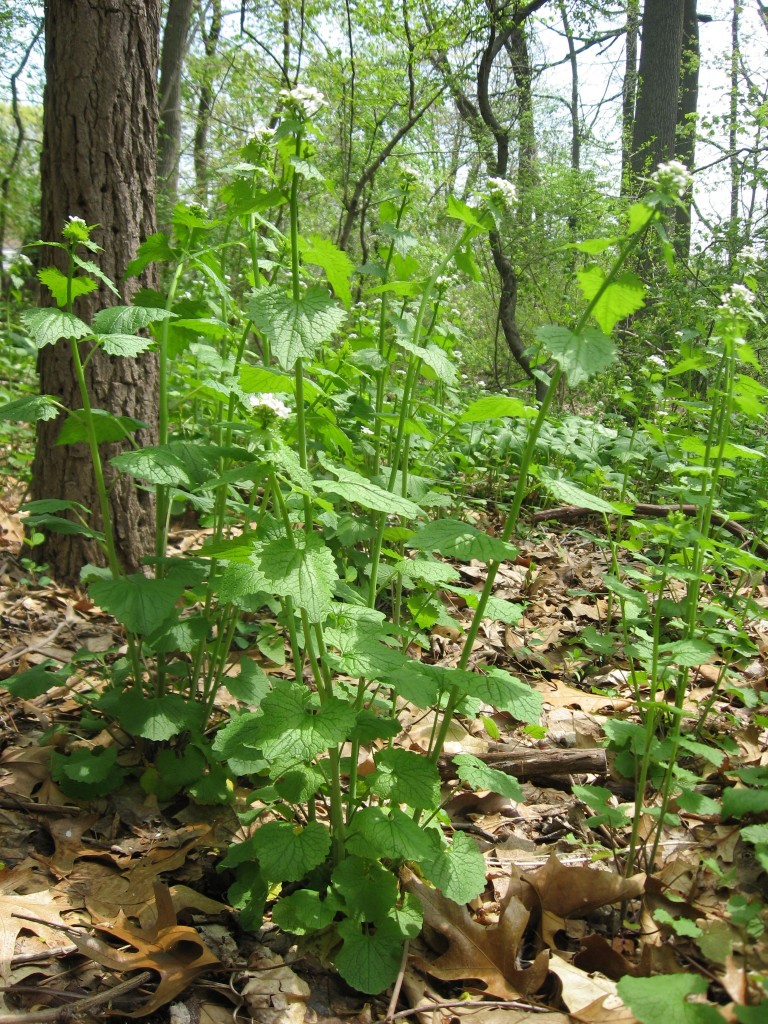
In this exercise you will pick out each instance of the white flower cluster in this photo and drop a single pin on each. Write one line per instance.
(306, 99)
(505, 189)
(738, 300)
(673, 177)
(270, 403)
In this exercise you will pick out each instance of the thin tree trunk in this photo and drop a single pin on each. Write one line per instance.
(205, 104)
(733, 136)
(98, 162)
(175, 41)
(629, 92)
(686, 119)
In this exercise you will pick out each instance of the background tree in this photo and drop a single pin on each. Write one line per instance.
(99, 163)
(176, 33)
(656, 112)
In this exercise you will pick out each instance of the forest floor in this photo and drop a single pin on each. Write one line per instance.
(117, 908)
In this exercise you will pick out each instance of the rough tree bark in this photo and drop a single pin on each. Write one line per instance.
(629, 92)
(98, 162)
(175, 41)
(686, 118)
(653, 136)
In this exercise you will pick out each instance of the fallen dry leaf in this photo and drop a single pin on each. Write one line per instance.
(487, 954)
(175, 951)
(567, 890)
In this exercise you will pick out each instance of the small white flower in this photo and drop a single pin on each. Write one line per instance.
(673, 177)
(504, 189)
(443, 281)
(304, 98)
(481, 383)
(456, 354)
(750, 254)
(367, 431)
(270, 403)
(738, 300)
(657, 361)
(464, 376)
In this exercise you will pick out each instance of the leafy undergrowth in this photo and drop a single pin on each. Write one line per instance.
(119, 901)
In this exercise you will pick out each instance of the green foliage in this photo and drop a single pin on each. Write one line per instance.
(320, 445)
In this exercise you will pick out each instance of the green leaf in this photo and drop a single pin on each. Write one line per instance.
(355, 488)
(369, 958)
(405, 777)
(496, 608)
(287, 852)
(479, 775)
(387, 832)
(455, 539)
(457, 210)
(259, 380)
(496, 407)
(248, 895)
(368, 889)
(128, 319)
(300, 784)
(87, 773)
(158, 465)
(582, 355)
(621, 298)
(107, 427)
(663, 998)
(740, 801)
(304, 911)
(510, 694)
(293, 728)
(251, 685)
(458, 870)
(47, 326)
(337, 265)
(35, 681)
(155, 249)
(296, 328)
(57, 285)
(570, 494)
(593, 246)
(689, 653)
(30, 409)
(154, 718)
(95, 270)
(303, 570)
(236, 744)
(141, 604)
(127, 345)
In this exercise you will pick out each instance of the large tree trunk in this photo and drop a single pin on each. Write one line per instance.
(175, 40)
(98, 163)
(653, 137)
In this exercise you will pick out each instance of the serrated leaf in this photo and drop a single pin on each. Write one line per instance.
(154, 718)
(570, 494)
(355, 488)
(496, 407)
(663, 998)
(35, 681)
(296, 328)
(621, 298)
(259, 380)
(47, 326)
(337, 265)
(369, 958)
(30, 409)
(508, 693)
(155, 249)
(128, 319)
(58, 286)
(387, 832)
(458, 870)
(368, 889)
(293, 728)
(303, 912)
(479, 775)
(405, 777)
(107, 427)
(456, 539)
(127, 345)
(739, 801)
(582, 355)
(457, 210)
(302, 569)
(158, 465)
(141, 604)
(287, 852)
(93, 268)
(496, 608)
(250, 685)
